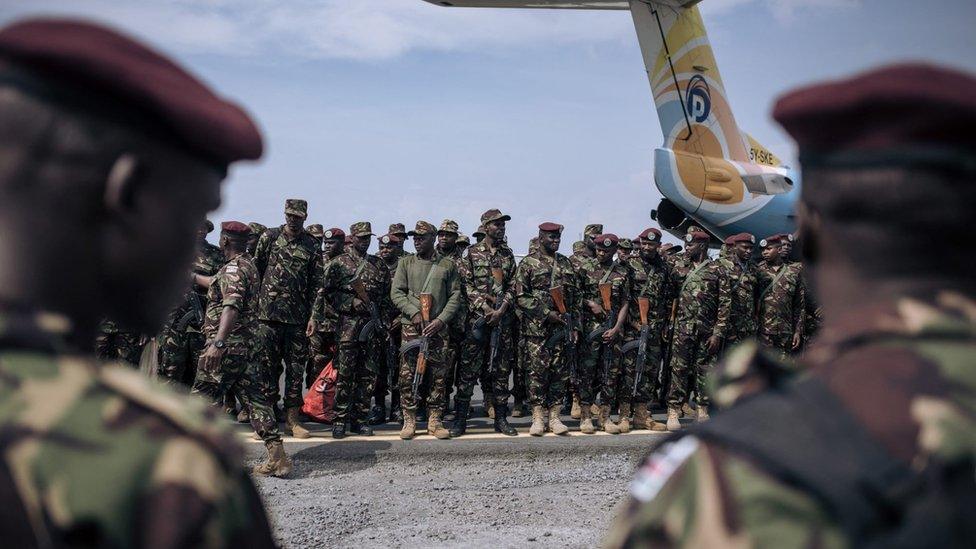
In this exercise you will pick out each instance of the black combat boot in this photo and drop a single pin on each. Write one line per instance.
(567, 405)
(339, 430)
(357, 427)
(461, 410)
(501, 421)
(377, 415)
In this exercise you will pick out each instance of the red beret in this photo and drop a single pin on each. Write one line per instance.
(770, 240)
(334, 232)
(606, 240)
(235, 227)
(389, 239)
(899, 114)
(121, 71)
(786, 237)
(697, 235)
(651, 234)
(741, 237)
(551, 227)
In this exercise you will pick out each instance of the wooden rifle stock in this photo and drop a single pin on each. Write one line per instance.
(558, 298)
(606, 292)
(360, 290)
(426, 303)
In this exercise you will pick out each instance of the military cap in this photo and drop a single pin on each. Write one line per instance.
(741, 237)
(896, 115)
(771, 240)
(334, 233)
(593, 229)
(463, 239)
(697, 235)
(389, 239)
(493, 215)
(626, 243)
(296, 206)
(551, 227)
(650, 234)
(479, 232)
(786, 237)
(235, 228)
(361, 228)
(209, 225)
(422, 228)
(579, 247)
(606, 240)
(112, 69)
(448, 226)
(397, 229)
(257, 228)
(694, 229)
(315, 230)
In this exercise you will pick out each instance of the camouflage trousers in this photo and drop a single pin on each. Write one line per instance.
(520, 373)
(179, 353)
(475, 361)
(546, 373)
(453, 358)
(241, 375)
(388, 368)
(356, 367)
(690, 364)
(286, 351)
(321, 350)
(119, 346)
(648, 382)
(436, 372)
(781, 343)
(594, 372)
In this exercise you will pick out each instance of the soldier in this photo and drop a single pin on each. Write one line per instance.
(389, 363)
(399, 231)
(694, 283)
(447, 246)
(113, 344)
(290, 264)
(601, 354)
(545, 364)
(625, 250)
(356, 362)
(650, 280)
(883, 460)
(95, 454)
(257, 230)
(487, 273)
(578, 259)
(323, 326)
(317, 231)
(479, 235)
(181, 339)
(425, 273)
(228, 328)
(782, 301)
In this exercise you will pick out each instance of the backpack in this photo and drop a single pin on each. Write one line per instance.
(319, 402)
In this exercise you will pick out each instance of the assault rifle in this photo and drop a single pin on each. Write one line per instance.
(564, 334)
(422, 343)
(644, 306)
(477, 329)
(375, 324)
(665, 376)
(194, 315)
(606, 290)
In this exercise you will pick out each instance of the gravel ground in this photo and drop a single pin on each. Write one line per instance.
(498, 492)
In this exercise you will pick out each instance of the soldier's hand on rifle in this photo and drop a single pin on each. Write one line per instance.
(596, 309)
(417, 320)
(494, 317)
(211, 358)
(714, 344)
(359, 306)
(310, 329)
(555, 318)
(797, 341)
(610, 334)
(435, 326)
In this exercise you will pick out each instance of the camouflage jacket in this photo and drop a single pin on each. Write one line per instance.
(235, 285)
(536, 274)
(480, 288)
(738, 294)
(782, 301)
(902, 369)
(577, 260)
(650, 279)
(323, 311)
(290, 272)
(337, 289)
(459, 322)
(593, 274)
(695, 285)
(97, 455)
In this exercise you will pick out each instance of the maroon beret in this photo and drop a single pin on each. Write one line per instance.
(899, 114)
(334, 232)
(786, 237)
(389, 239)
(651, 234)
(121, 70)
(551, 227)
(236, 227)
(741, 237)
(697, 235)
(770, 240)
(606, 240)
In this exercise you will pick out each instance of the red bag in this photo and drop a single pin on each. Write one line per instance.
(319, 403)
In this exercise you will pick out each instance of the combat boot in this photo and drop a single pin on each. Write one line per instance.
(586, 421)
(624, 417)
(377, 415)
(409, 424)
(567, 406)
(555, 425)
(606, 422)
(519, 409)
(574, 412)
(435, 426)
(687, 411)
(501, 421)
(243, 416)
(293, 426)
(396, 414)
(278, 463)
(358, 428)
(643, 419)
(538, 427)
(461, 411)
(702, 414)
(595, 409)
(673, 423)
(339, 430)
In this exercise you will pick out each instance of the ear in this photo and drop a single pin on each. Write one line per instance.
(121, 184)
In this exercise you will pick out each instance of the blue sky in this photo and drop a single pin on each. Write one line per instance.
(396, 110)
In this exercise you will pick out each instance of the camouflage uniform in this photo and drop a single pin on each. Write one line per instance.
(650, 279)
(99, 456)
(782, 306)
(738, 294)
(696, 287)
(236, 285)
(357, 364)
(695, 493)
(546, 370)
(290, 269)
(458, 322)
(591, 371)
(115, 344)
(181, 339)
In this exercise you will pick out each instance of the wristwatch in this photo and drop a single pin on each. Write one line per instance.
(219, 343)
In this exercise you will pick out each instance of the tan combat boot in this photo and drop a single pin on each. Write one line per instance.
(702, 414)
(409, 424)
(624, 417)
(278, 463)
(574, 412)
(673, 423)
(606, 422)
(538, 427)
(586, 421)
(435, 426)
(644, 420)
(595, 410)
(294, 427)
(555, 424)
(687, 411)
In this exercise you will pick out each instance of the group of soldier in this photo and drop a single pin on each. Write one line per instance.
(584, 335)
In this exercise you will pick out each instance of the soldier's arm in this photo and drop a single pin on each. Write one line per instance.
(509, 295)
(527, 302)
(724, 303)
(476, 296)
(261, 252)
(400, 289)
(453, 296)
(315, 272)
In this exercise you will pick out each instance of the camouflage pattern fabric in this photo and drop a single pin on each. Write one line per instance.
(436, 372)
(115, 345)
(782, 306)
(738, 294)
(695, 493)
(650, 279)
(95, 455)
(697, 286)
(591, 370)
(285, 348)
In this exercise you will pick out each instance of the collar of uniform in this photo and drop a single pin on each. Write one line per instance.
(26, 328)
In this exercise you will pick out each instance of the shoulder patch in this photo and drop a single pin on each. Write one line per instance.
(658, 467)
(231, 269)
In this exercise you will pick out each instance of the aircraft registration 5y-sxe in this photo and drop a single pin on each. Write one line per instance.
(709, 171)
